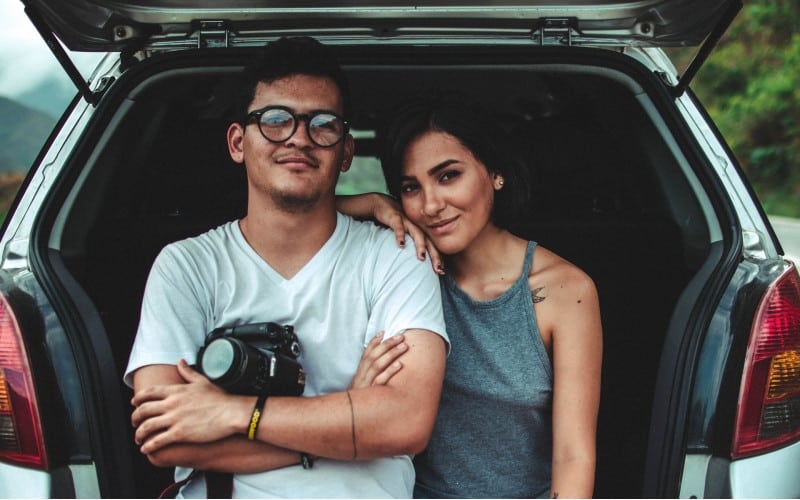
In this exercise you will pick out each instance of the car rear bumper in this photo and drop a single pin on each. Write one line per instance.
(771, 475)
(21, 482)
(76, 481)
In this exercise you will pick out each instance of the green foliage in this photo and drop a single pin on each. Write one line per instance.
(751, 87)
(364, 176)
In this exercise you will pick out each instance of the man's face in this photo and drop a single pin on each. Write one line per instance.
(294, 174)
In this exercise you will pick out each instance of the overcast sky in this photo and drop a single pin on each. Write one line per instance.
(25, 60)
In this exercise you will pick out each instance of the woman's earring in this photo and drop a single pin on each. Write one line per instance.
(499, 183)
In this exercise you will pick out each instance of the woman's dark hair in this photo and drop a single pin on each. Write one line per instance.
(289, 56)
(474, 127)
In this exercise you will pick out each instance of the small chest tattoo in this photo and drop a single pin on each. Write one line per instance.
(535, 295)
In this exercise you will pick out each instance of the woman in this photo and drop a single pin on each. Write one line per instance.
(519, 406)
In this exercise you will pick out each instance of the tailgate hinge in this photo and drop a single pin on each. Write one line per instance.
(212, 34)
(556, 30)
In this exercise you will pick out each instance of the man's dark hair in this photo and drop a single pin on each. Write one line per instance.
(475, 128)
(289, 56)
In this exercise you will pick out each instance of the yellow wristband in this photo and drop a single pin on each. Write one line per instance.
(258, 409)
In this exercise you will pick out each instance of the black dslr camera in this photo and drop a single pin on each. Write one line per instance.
(254, 359)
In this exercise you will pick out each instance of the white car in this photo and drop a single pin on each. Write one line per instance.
(701, 312)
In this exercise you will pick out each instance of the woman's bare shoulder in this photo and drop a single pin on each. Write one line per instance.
(565, 298)
(552, 275)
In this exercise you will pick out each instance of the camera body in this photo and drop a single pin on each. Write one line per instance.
(253, 359)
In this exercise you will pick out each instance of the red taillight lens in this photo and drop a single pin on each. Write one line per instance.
(769, 401)
(21, 439)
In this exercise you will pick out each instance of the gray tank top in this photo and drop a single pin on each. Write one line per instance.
(493, 434)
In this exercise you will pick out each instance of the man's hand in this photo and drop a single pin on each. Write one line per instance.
(380, 361)
(386, 210)
(196, 411)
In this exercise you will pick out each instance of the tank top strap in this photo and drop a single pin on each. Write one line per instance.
(526, 266)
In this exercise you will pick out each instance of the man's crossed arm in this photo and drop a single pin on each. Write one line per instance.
(182, 419)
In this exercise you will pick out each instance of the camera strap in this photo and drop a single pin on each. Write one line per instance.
(218, 484)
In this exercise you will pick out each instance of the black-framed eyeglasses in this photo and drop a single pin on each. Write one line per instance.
(279, 123)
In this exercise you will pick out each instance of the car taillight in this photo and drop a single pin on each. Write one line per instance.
(768, 416)
(21, 439)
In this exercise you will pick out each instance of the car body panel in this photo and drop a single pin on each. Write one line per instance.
(22, 482)
(112, 25)
(128, 27)
(771, 475)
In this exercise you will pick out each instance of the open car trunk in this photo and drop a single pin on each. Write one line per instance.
(615, 191)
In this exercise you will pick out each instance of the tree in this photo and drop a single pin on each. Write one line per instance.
(751, 87)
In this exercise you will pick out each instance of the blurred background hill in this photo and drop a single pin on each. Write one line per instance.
(22, 132)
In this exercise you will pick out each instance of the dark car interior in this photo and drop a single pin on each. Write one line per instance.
(598, 199)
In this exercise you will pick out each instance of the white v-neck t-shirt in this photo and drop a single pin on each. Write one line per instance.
(358, 284)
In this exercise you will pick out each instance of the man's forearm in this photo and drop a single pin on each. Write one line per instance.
(377, 421)
(234, 454)
(367, 423)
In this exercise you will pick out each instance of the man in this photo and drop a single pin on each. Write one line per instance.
(291, 260)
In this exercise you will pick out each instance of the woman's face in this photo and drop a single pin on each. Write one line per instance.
(446, 191)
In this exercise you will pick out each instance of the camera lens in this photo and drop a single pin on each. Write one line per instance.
(235, 366)
(242, 368)
(218, 359)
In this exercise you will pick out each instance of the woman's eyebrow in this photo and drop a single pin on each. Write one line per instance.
(433, 170)
(441, 166)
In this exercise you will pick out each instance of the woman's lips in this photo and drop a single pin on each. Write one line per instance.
(442, 226)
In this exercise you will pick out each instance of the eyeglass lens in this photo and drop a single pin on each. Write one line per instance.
(324, 129)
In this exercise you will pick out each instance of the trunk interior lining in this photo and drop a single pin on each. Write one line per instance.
(595, 201)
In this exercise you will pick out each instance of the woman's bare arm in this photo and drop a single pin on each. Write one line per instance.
(577, 359)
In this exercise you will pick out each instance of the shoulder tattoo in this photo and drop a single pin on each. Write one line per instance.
(535, 295)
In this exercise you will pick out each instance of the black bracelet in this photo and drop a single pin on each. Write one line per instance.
(258, 409)
(306, 461)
